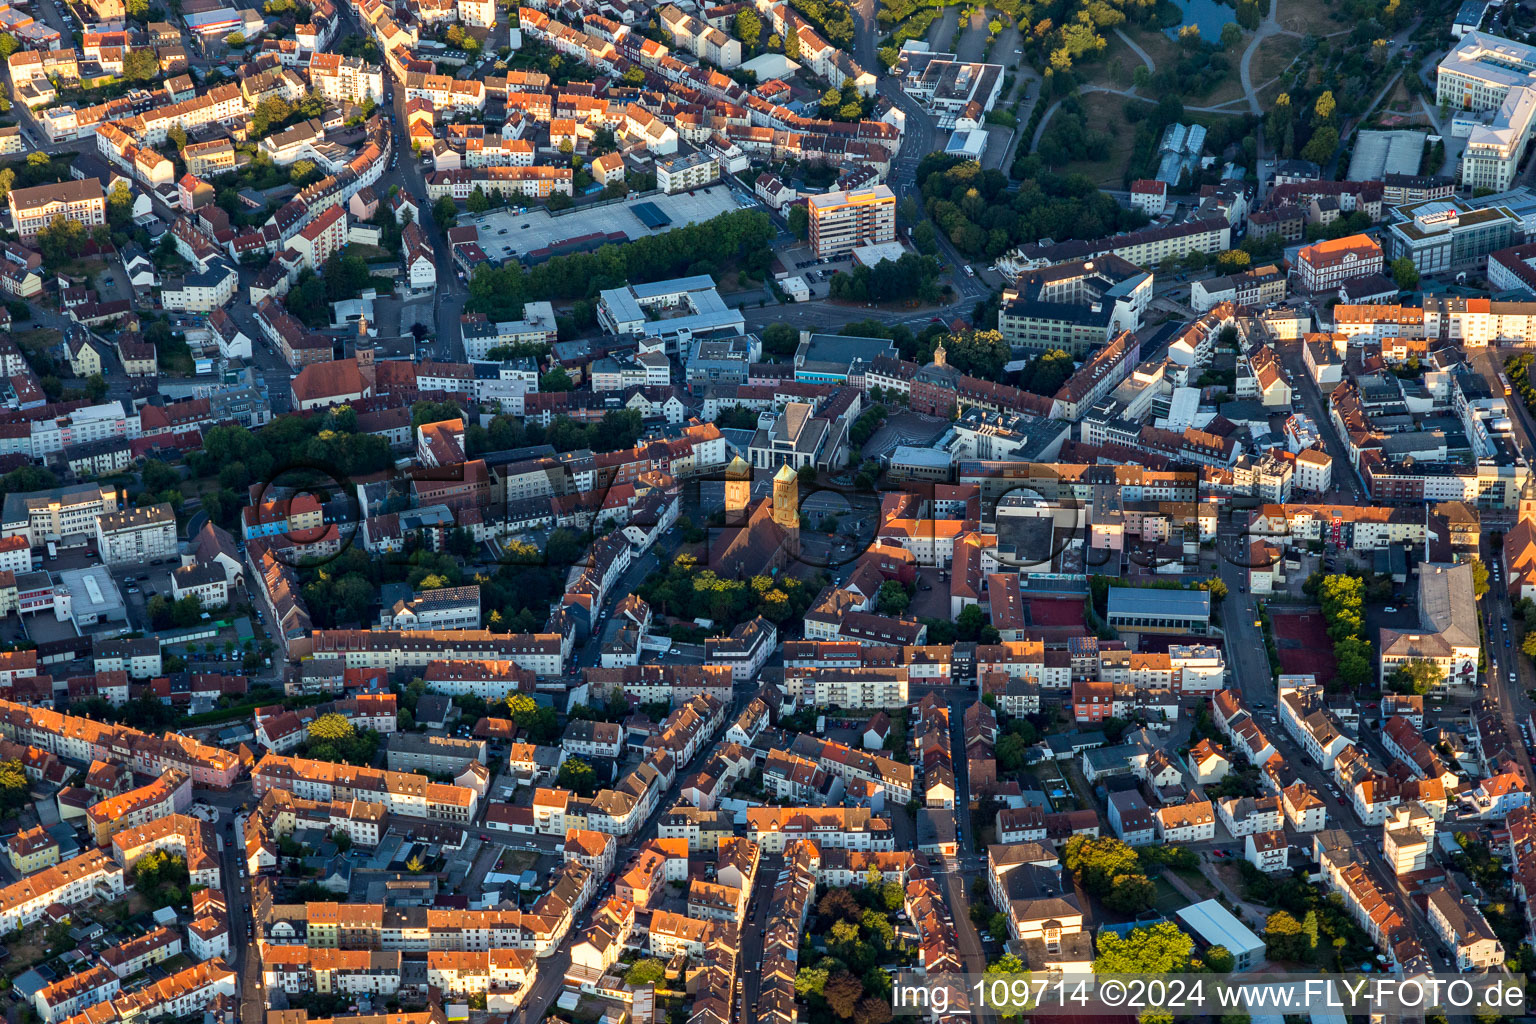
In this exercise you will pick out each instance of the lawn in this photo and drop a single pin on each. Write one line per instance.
(1168, 899)
(1273, 56)
(1309, 17)
(1105, 113)
(518, 860)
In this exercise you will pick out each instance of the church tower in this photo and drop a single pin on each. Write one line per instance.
(939, 355)
(1527, 505)
(786, 499)
(363, 353)
(738, 491)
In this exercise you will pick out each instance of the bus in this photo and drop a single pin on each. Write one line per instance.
(53, 551)
(1504, 383)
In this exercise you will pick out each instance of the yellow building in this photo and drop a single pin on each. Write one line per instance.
(31, 850)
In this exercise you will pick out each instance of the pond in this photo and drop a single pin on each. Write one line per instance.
(1208, 14)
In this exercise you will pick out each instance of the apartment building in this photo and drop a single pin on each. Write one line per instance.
(33, 209)
(208, 931)
(134, 955)
(171, 793)
(90, 875)
(842, 221)
(137, 536)
(31, 849)
(74, 992)
(432, 754)
(183, 835)
(412, 796)
(543, 654)
(838, 828)
(1464, 930)
(58, 513)
(186, 992)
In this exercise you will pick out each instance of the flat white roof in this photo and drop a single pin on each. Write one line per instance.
(1217, 926)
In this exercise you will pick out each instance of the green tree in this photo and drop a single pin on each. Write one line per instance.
(445, 211)
(140, 65)
(1161, 948)
(8, 45)
(1219, 959)
(1479, 577)
(1417, 676)
(556, 379)
(1405, 274)
(799, 221)
(749, 27)
(577, 776)
(780, 339)
(15, 791)
(1283, 939)
(892, 598)
(1319, 149)
(477, 202)
(648, 971)
(62, 240)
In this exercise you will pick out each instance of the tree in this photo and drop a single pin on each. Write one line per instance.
(140, 65)
(556, 379)
(780, 339)
(749, 27)
(645, 972)
(1417, 676)
(1325, 105)
(838, 905)
(806, 474)
(577, 776)
(1157, 949)
(810, 981)
(842, 993)
(302, 172)
(1479, 577)
(478, 201)
(1283, 938)
(445, 211)
(1219, 959)
(235, 40)
(1216, 587)
(1405, 273)
(15, 791)
(8, 44)
(1231, 35)
(1319, 149)
(892, 598)
(332, 727)
(799, 221)
(62, 240)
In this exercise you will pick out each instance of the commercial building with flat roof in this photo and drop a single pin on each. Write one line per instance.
(1146, 610)
(1449, 234)
(1491, 75)
(843, 221)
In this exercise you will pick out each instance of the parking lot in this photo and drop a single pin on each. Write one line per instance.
(511, 234)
